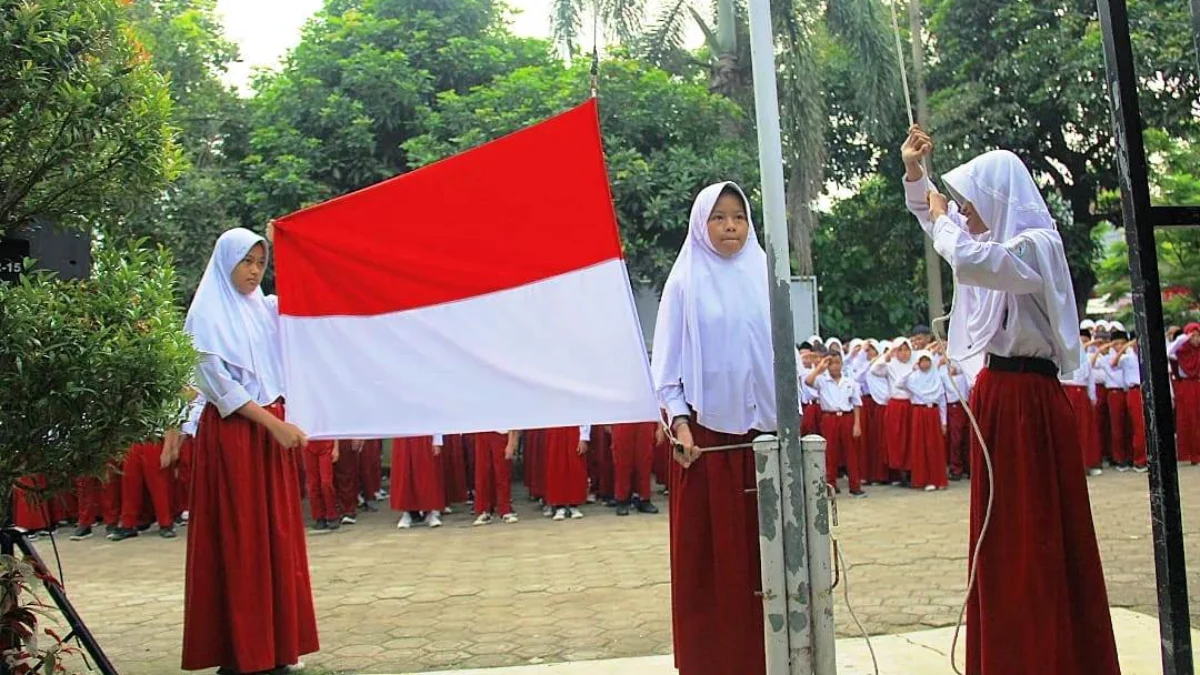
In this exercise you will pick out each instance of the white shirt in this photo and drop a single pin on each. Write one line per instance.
(227, 386)
(1112, 374)
(938, 399)
(1173, 354)
(1130, 371)
(841, 395)
(194, 411)
(950, 382)
(877, 387)
(807, 394)
(882, 368)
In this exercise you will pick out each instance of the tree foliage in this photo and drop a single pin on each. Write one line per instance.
(362, 81)
(1029, 77)
(661, 136)
(84, 119)
(89, 367)
(1175, 180)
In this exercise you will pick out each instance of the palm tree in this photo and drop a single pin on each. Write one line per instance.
(800, 25)
(619, 19)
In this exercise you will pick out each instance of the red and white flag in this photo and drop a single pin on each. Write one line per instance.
(487, 291)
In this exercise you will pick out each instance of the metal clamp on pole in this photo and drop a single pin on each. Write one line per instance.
(770, 547)
(820, 564)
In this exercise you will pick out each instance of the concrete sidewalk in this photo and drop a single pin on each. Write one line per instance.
(920, 653)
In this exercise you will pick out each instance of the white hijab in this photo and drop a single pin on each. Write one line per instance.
(897, 369)
(1008, 201)
(243, 330)
(713, 333)
(925, 384)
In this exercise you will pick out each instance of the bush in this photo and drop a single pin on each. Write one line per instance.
(89, 367)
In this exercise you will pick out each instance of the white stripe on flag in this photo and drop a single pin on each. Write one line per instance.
(564, 351)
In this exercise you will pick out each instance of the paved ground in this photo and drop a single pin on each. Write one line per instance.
(544, 592)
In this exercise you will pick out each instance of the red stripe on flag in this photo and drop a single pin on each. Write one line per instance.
(527, 207)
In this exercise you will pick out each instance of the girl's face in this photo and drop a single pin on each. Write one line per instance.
(249, 272)
(728, 225)
(975, 224)
(1194, 338)
(904, 352)
(925, 364)
(872, 353)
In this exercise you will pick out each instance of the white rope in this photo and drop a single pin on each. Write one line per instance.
(908, 104)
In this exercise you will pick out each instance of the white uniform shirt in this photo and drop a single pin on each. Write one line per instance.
(842, 395)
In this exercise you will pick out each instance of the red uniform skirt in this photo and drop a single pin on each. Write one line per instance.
(715, 576)
(602, 471)
(1187, 419)
(1084, 414)
(875, 441)
(454, 461)
(1039, 604)
(927, 447)
(31, 509)
(897, 423)
(418, 477)
(810, 420)
(1137, 425)
(248, 603)
(535, 462)
(566, 469)
(1103, 429)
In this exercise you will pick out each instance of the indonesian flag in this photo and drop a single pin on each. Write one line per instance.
(485, 292)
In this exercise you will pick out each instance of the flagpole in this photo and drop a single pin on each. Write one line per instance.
(809, 609)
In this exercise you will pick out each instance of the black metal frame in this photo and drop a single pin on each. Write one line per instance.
(1141, 217)
(12, 540)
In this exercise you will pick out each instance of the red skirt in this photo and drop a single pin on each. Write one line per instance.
(418, 477)
(1187, 419)
(927, 447)
(810, 420)
(715, 576)
(1084, 415)
(1039, 605)
(566, 469)
(31, 510)
(1137, 425)
(875, 441)
(602, 471)
(248, 601)
(662, 458)
(897, 423)
(1103, 429)
(535, 462)
(454, 461)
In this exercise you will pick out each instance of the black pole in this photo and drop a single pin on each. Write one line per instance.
(1169, 563)
(12, 540)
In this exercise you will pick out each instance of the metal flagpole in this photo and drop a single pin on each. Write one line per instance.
(798, 621)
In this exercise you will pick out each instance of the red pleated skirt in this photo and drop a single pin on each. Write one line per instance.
(418, 477)
(566, 469)
(927, 447)
(810, 420)
(1187, 419)
(535, 462)
(715, 576)
(1039, 605)
(897, 424)
(1084, 414)
(662, 459)
(874, 439)
(1103, 429)
(454, 461)
(248, 603)
(602, 471)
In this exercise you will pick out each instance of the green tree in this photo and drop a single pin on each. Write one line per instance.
(84, 119)
(662, 141)
(862, 291)
(1176, 180)
(187, 45)
(1029, 77)
(362, 81)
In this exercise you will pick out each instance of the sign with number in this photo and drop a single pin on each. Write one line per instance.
(13, 253)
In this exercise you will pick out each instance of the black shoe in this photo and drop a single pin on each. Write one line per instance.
(143, 528)
(109, 530)
(645, 506)
(167, 532)
(321, 526)
(82, 532)
(610, 503)
(859, 495)
(371, 508)
(956, 477)
(123, 533)
(622, 509)
(335, 524)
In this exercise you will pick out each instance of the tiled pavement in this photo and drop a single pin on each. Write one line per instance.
(544, 592)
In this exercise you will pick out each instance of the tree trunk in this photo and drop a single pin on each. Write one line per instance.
(802, 219)
(933, 263)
